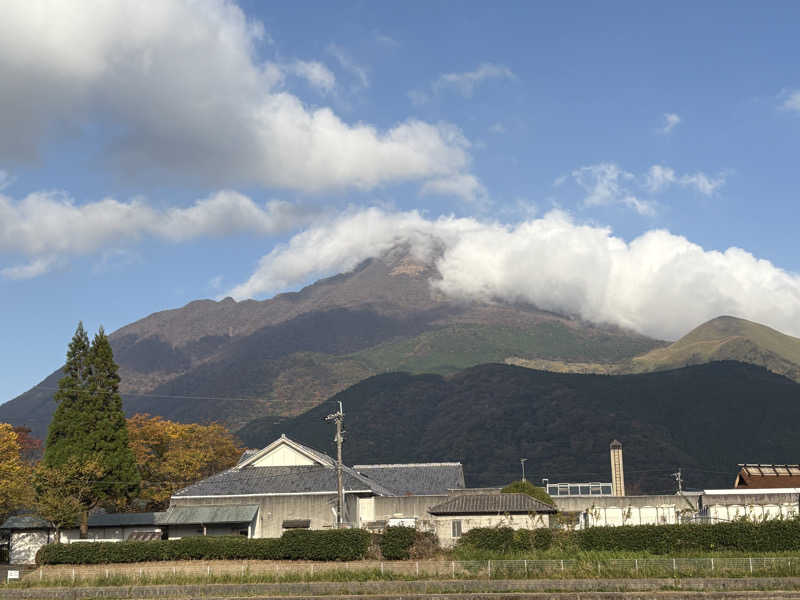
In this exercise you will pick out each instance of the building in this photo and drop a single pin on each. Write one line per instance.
(292, 485)
(459, 514)
(767, 476)
(285, 485)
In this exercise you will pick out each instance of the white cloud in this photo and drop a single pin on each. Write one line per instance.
(671, 120)
(346, 61)
(417, 97)
(466, 187)
(659, 178)
(607, 184)
(462, 83)
(181, 93)
(315, 73)
(465, 83)
(658, 283)
(49, 224)
(792, 101)
(35, 268)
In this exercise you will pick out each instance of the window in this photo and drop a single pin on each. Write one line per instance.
(456, 529)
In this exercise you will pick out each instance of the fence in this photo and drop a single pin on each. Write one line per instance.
(423, 569)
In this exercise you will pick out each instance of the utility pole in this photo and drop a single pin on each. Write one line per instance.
(522, 462)
(338, 418)
(678, 480)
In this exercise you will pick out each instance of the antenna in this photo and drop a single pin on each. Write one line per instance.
(679, 480)
(338, 418)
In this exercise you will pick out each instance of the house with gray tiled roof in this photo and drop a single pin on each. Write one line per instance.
(296, 486)
(459, 514)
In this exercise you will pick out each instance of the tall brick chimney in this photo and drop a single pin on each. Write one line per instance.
(617, 472)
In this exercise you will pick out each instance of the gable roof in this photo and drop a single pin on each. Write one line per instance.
(313, 455)
(481, 504)
(417, 479)
(768, 476)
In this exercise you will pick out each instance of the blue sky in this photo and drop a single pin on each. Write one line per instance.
(595, 158)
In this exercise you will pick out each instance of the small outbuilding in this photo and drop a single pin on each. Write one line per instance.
(459, 514)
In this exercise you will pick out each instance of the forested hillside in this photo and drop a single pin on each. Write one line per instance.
(704, 419)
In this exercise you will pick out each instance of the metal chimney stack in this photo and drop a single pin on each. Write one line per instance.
(617, 472)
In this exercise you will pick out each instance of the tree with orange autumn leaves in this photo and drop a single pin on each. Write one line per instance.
(172, 455)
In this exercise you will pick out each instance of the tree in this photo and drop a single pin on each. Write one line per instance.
(30, 448)
(526, 487)
(15, 488)
(63, 492)
(172, 455)
(89, 425)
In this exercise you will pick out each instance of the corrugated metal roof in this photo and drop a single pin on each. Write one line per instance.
(95, 520)
(472, 504)
(123, 519)
(768, 476)
(25, 522)
(416, 478)
(191, 515)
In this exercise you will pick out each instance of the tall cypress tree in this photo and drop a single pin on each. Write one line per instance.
(89, 425)
(67, 424)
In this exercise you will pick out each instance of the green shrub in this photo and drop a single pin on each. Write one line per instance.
(496, 539)
(341, 544)
(526, 487)
(744, 536)
(505, 539)
(397, 541)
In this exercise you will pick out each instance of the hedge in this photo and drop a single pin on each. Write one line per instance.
(397, 541)
(768, 536)
(743, 536)
(505, 539)
(342, 544)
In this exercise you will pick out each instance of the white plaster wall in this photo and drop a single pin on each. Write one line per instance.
(283, 456)
(615, 516)
(443, 526)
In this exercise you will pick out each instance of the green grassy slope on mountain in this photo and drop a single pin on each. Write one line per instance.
(723, 338)
(728, 338)
(461, 345)
(704, 419)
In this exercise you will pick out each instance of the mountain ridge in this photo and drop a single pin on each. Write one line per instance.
(234, 361)
(701, 418)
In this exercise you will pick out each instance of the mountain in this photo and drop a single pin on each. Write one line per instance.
(236, 361)
(723, 338)
(704, 419)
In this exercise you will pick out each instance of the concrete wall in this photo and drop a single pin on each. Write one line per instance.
(274, 510)
(443, 526)
(757, 507)
(24, 545)
(602, 511)
(386, 507)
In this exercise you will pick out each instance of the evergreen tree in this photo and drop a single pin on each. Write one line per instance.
(67, 424)
(89, 425)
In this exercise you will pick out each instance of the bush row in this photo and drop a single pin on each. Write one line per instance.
(505, 539)
(767, 536)
(744, 536)
(344, 544)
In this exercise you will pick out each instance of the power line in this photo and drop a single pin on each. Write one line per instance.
(168, 396)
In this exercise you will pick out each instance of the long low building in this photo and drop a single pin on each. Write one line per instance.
(282, 486)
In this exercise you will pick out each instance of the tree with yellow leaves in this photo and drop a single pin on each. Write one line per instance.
(15, 481)
(173, 455)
